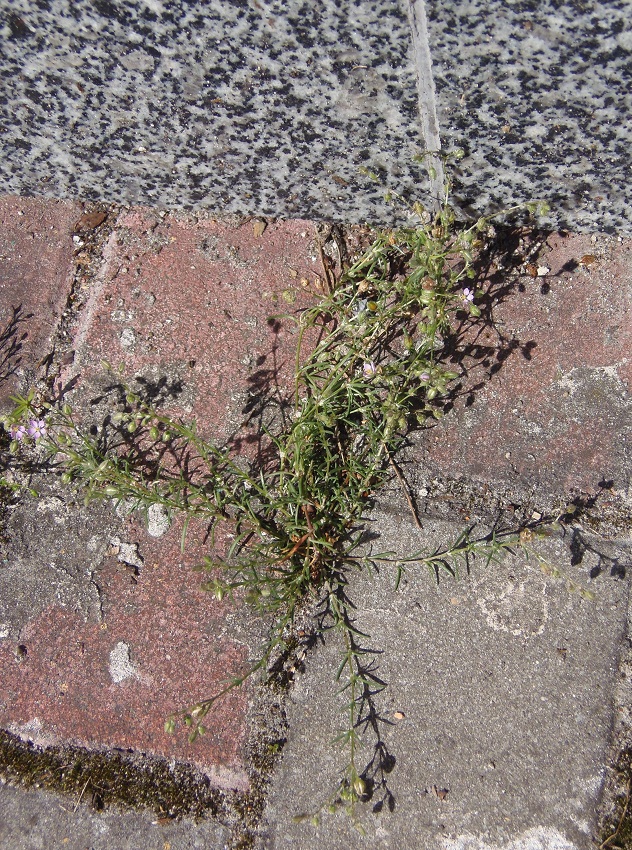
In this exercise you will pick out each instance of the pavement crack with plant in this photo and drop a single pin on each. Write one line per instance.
(370, 369)
(381, 356)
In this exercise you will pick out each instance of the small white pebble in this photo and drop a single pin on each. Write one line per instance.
(542, 271)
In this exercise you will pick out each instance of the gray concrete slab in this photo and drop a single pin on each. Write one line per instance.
(39, 820)
(497, 714)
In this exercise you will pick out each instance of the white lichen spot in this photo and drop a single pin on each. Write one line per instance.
(126, 553)
(127, 339)
(158, 521)
(93, 544)
(518, 608)
(121, 666)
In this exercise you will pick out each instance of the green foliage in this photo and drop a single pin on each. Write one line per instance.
(369, 369)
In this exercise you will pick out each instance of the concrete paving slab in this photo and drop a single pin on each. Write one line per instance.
(36, 251)
(497, 714)
(33, 820)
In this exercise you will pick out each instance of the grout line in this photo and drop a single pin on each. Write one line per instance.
(426, 96)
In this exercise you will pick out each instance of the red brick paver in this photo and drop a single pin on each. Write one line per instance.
(555, 413)
(162, 644)
(190, 307)
(190, 302)
(36, 251)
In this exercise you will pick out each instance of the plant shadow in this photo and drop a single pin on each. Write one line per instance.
(468, 347)
(12, 337)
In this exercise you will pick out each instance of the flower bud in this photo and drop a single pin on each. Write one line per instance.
(359, 786)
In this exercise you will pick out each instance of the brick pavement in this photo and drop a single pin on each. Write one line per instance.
(104, 630)
(185, 305)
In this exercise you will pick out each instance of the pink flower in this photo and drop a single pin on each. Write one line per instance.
(18, 432)
(369, 369)
(37, 428)
(468, 296)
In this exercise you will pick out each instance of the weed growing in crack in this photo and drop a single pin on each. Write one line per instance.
(369, 369)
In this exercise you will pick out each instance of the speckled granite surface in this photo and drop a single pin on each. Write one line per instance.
(270, 106)
(539, 94)
(247, 106)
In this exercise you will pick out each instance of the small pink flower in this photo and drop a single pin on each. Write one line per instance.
(369, 369)
(37, 429)
(18, 432)
(468, 296)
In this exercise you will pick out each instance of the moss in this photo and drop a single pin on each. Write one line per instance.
(105, 778)
(616, 832)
